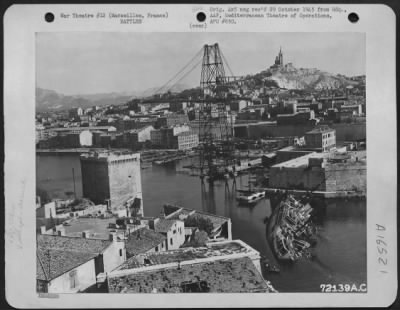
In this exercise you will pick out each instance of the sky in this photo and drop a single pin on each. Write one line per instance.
(101, 62)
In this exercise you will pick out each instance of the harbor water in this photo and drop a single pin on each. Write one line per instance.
(340, 252)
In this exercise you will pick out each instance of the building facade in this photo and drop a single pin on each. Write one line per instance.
(112, 178)
(185, 140)
(173, 230)
(321, 139)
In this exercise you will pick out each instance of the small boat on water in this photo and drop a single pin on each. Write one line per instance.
(249, 196)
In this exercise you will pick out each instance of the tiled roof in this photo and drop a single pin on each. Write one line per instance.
(216, 220)
(223, 276)
(78, 244)
(56, 255)
(185, 254)
(143, 240)
(52, 263)
(163, 225)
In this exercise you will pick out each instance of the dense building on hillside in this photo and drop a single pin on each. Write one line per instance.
(254, 112)
(112, 178)
(238, 105)
(76, 112)
(172, 119)
(303, 118)
(177, 106)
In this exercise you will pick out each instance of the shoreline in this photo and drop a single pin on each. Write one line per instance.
(327, 195)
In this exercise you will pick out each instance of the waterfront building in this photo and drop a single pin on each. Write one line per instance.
(59, 130)
(321, 139)
(229, 266)
(290, 152)
(141, 135)
(165, 137)
(327, 172)
(156, 137)
(354, 109)
(113, 178)
(185, 140)
(71, 264)
(298, 118)
(213, 128)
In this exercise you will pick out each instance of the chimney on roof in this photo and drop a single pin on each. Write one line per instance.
(85, 234)
(113, 237)
(153, 222)
(140, 259)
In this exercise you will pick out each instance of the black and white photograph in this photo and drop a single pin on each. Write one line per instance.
(207, 162)
(155, 152)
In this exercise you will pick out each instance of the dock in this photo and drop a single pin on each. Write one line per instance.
(322, 194)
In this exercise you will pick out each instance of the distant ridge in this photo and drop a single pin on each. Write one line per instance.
(50, 100)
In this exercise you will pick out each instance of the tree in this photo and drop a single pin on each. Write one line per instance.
(201, 223)
(200, 238)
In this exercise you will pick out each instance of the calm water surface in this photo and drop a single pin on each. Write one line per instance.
(340, 250)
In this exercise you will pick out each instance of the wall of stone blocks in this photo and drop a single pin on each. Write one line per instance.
(125, 182)
(297, 178)
(347, 178)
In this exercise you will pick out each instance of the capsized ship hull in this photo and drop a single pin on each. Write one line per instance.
(291, 229)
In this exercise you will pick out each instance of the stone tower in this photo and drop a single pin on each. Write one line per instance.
(113, 179)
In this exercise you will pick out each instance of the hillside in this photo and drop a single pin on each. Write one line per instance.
(291, 77)
(50, 100)
(287, 76)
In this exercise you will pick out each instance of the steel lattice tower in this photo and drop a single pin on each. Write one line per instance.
(215, 127)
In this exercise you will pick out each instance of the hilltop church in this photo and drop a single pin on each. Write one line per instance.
(278, 60)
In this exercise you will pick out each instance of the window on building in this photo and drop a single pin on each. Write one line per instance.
(73, 279)
(174, 231)
(120, 252)
(156, 249)
(170, 241)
